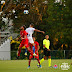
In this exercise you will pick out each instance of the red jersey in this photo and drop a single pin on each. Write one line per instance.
(24, 42)
(23, 33)
(36, 46)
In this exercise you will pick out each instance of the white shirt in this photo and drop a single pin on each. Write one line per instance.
(30, 31)
(2, 2)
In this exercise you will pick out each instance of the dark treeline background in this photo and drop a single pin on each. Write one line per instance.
(53, 18)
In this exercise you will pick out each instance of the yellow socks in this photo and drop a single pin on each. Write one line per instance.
(41, 60)
(49, 62)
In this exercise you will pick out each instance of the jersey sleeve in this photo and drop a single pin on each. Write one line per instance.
(33, 29)
(26, 30)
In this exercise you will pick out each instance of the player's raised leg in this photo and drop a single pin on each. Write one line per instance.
(19, 50)
(18, 53)
(41, 61)
(33, 48)
(29, 51)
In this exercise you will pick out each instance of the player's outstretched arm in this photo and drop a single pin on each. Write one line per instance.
(39, 31)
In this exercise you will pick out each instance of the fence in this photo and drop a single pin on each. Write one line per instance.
(55, 54)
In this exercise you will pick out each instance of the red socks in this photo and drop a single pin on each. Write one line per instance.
(19, 51)
(38, 61)
(29, 61)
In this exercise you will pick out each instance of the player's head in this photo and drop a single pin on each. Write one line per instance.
(31, 25)
(34, 38)
(23, 27)
(47, 37)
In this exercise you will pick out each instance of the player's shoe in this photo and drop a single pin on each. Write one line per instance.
(40, 66)
(37, 65)
(28, 67)
(50, 67)
(34, 54)
(17, 58)
(26, 54)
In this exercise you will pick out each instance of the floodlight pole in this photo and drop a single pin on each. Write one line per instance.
(64, 54)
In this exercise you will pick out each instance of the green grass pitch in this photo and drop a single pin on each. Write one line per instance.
(21, 66)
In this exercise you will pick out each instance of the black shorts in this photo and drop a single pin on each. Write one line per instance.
(46, 52)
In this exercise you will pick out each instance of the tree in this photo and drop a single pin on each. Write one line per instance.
(58, 24)
(53, 18)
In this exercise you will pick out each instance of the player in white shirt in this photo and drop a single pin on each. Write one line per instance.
(30, 31)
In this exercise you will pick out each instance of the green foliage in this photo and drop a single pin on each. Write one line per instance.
(53, 18)
(59, 24)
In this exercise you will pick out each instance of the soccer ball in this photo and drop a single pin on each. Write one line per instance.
(26, 11)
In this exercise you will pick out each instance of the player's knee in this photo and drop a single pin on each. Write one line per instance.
(49, 57)
(28, 48)
(44, 57)
(29, 58)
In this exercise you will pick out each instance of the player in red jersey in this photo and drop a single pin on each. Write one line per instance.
(36, 52)
(24, 41)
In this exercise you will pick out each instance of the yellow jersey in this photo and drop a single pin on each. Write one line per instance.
(46, 43)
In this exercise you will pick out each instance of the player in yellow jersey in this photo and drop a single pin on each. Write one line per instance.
(46, 44)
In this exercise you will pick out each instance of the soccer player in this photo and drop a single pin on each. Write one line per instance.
(36, 51)
(30, 31)
(46, 44)
(24, 42)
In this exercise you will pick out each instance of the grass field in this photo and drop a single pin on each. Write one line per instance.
(21, 66)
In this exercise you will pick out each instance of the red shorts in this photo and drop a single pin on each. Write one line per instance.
(37, 56)
(24, 43)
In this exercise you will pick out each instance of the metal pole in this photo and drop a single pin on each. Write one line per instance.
(0, 37)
